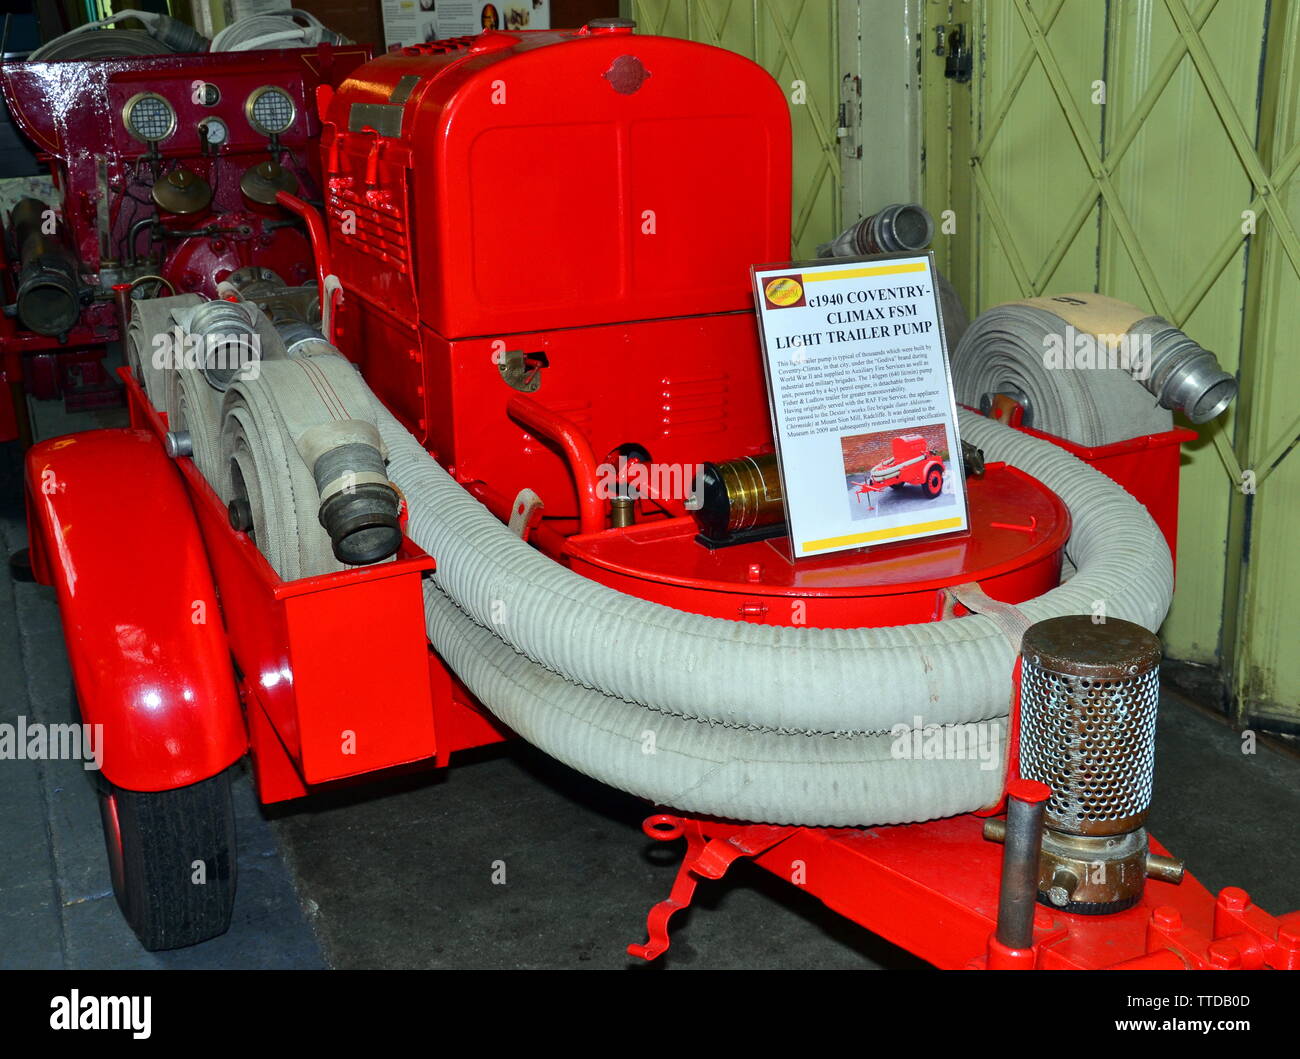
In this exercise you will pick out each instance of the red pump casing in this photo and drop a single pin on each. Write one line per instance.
(549, 194)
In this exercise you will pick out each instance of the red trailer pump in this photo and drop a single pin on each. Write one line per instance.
(913, 463)
(542, 277)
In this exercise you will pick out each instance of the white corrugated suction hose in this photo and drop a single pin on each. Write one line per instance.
(777, 677)
(740, 773)
(759, 746)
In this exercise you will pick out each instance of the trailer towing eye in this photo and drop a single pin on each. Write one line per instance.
(705, 859)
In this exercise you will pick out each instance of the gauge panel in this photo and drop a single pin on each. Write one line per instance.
(215, 131)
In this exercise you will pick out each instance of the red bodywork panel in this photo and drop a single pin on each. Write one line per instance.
(148, 653)
(932, 889)
(1018, 530)
(547, 194)
(518, 169)
(327, 696)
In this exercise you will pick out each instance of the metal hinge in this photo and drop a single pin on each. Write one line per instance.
(849, 118)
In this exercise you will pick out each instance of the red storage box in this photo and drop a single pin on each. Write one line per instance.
(1147, 467)
(334, 670)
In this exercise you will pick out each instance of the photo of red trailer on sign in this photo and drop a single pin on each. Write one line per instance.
(892, 472)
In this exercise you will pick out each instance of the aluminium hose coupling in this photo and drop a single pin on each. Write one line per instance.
(1184, 376)
(359, 506)
(900, 228)
(226, 335)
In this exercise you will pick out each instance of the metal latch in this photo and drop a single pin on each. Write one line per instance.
(522, 371)
(957, 54)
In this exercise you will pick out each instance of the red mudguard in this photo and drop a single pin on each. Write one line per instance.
(113, 531)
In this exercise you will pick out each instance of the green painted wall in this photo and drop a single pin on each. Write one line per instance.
(1115, 147)
(797, 44)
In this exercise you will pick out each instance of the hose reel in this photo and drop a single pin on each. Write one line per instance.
(1088, 368)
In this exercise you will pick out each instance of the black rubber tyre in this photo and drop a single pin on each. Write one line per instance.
(155, 842)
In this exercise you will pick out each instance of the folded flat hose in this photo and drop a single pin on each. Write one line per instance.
(194, 407)
(1006, 350)
(151, 317)
(306, 466)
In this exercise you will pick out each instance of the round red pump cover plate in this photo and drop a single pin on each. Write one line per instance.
(1018, 528)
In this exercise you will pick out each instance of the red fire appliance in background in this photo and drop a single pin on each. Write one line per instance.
(166, 170)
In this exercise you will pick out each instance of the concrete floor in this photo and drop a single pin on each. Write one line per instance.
(400, 874)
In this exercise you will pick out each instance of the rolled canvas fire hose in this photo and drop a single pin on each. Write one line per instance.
(1071, 360)
(643, 697)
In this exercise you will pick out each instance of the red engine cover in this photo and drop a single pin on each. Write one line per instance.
(550, 194)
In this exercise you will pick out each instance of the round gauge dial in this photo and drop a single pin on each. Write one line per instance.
(215, 131)
(209, 94)
(270, 110)
(149, 117)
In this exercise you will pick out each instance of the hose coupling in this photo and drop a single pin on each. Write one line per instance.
(359, 506)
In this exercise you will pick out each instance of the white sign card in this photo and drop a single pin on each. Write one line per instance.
(862, 402)
(419, 21)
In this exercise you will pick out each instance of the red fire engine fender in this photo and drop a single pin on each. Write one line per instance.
(144, 634)
(774, 677)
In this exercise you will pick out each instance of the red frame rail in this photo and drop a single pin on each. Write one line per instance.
(932, 889)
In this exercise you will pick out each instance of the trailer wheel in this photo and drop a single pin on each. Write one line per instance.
(934, 482)
(171, 855)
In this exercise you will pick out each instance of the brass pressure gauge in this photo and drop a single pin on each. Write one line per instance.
(270, 110)
(148, 117)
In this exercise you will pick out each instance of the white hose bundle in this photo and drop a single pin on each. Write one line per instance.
(779, 724)
(740, 773)
(279, 29)
(161, 34)
(274, 429)
(1073, 384)
(777, 677)
(195, 407)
